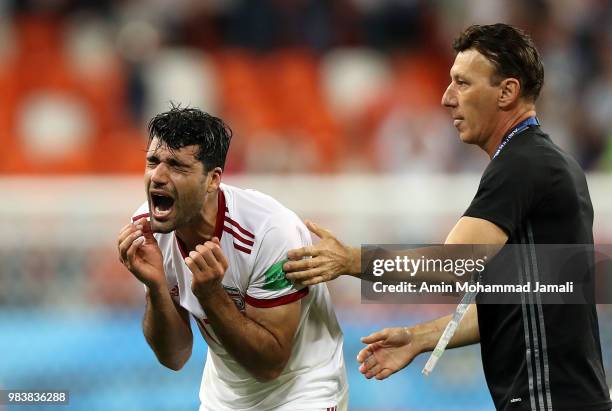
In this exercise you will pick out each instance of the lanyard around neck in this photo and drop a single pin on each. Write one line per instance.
(523, 125)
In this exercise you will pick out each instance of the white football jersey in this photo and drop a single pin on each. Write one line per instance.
(256, 232)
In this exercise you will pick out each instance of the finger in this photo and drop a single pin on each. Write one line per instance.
(305, 275)
(373, 371)
(296, 269)
(318, 230)
(209, 257)
(374, 337)
(218, 253)
(299, 253)
(216, 241)
(131, 251)
(369, 362)
(384, 373)
(300, 265)
(191, 265)
(198, 261)
(125, 228)
(142, 222)
(364, 354)
(126, 231)
(146, 229)
(127, 243)
(367, 354)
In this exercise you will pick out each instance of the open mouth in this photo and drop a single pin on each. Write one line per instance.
(162, 205)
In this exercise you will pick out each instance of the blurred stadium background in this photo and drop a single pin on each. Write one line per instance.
(335, 110)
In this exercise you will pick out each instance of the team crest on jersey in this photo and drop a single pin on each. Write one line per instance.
(236, 296)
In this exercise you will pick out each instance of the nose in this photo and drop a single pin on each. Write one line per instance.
(159, 175)
(449, 99)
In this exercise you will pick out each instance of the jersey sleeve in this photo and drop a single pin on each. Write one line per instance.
(268, 286)
(509, 188)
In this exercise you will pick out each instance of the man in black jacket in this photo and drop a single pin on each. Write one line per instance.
(535, 356)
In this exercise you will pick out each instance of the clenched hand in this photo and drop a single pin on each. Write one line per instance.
(139, 252)
(208, 265)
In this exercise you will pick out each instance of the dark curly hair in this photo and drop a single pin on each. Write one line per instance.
(511, 51)
(180, 127)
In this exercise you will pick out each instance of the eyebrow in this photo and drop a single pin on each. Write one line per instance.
(458, 76)
(172, 161)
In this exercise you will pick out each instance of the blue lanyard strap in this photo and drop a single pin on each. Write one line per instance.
(523, 125)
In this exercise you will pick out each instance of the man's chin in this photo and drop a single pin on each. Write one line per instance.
(466, 138)
(163, 227)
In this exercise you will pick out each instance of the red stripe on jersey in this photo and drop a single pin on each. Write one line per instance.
(275, 302)
(139, 216)
(238, 236)
(241, 248)
(220, 214)
(242, 230)
(182, 246)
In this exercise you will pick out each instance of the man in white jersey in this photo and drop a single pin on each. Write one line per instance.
(215, 251)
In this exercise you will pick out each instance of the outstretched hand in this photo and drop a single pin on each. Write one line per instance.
(388, 351)
(330, 259)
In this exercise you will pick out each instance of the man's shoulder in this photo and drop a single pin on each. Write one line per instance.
(534, 152)
(255, 210)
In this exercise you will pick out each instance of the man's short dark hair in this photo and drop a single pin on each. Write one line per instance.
(512, 52)
(180, 127)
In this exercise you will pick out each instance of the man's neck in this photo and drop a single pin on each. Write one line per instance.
(504, 126)
(202, 227)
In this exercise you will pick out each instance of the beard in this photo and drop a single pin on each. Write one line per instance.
(186, 213)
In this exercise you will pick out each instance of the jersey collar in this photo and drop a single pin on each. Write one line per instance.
(221, 207)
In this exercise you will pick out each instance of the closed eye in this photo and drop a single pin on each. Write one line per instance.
(152, 161)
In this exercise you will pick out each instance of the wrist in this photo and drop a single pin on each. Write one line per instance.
(354, 266)
(207, 294)
(156, 289)
(421, 338)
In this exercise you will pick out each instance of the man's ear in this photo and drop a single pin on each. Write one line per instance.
(214, 179)
(509, 92)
